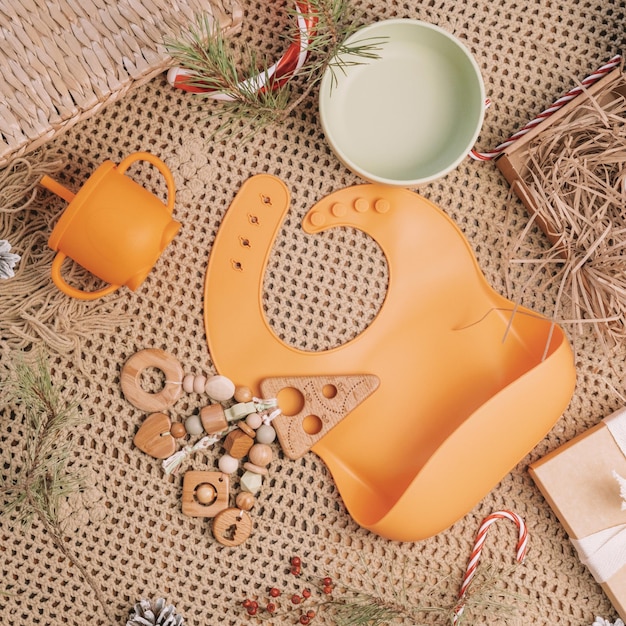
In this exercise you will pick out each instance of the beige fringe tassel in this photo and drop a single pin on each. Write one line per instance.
(32, 310)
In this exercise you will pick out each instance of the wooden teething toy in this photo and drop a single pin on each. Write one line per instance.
(155, 437)
(317, 404)
(205, 494)
(131, 380)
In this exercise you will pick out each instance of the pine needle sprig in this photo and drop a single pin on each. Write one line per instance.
(44, 479)
(486, 595)
(206, 53)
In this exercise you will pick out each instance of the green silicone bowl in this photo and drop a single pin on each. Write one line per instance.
(409, 116)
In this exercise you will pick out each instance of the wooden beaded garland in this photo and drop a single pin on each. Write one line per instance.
(199, 383)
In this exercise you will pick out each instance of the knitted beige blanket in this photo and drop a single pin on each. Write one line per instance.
(127, 527)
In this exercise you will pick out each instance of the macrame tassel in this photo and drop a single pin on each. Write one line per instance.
(171, 464)
(265, 404)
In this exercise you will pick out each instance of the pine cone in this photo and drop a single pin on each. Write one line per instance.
(155, 613)
(8, 259)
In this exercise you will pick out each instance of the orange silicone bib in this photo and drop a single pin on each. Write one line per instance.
(468, 384)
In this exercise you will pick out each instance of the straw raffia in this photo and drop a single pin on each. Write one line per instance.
(577, 179)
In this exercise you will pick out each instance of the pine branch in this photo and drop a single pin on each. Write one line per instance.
(204, 51)
(44, 479)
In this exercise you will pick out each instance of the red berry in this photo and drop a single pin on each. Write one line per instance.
(254, 604)
(271, 607)
(327, 589)
(327, 581)
(306, 593)
(296, 599)
(252, 610)
(296, 571)
(304, 619)
(310, 613)
(246, 603)
(296, 561)
(274, 592)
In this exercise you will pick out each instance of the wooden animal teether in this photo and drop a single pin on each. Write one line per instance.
(312, 405)
(154, 436)
(232, 527)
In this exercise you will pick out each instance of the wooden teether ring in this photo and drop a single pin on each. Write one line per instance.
(131, 380)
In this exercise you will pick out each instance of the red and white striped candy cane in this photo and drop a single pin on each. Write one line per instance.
(275, 76)
(522, 545)
(570, 95)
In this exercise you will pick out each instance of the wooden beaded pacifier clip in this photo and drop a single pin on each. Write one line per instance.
(245, 425)
(248, 425)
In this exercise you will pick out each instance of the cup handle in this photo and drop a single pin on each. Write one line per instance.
(58, 280)
(167, 174)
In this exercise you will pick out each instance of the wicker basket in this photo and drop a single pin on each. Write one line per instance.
(62, 60)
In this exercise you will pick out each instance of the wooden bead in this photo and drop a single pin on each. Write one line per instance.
(198, 383)
(206, 493)
(220, 388)
(188, 383)
(213, 419)
(260, 454)
(243, 394)
(265, 434)
(245, 500)
(246, 429)
(232, 527)
(239, 411)
(237, 443)
(178, 430)
(255, 469)
(193, 425)
(251, 481)
(254, 420)
(228, 464)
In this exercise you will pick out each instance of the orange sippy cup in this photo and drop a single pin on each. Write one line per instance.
(112, 227)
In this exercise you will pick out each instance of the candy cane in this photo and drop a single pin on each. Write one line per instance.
(522, 545)
(570, 95)
(275, 76)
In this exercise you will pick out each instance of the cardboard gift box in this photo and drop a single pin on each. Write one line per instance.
(582, 483)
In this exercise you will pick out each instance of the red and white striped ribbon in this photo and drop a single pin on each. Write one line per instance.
(570, 95)
(522, 545)
(275, 76)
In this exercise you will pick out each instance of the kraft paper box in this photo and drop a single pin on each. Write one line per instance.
(581, 483)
